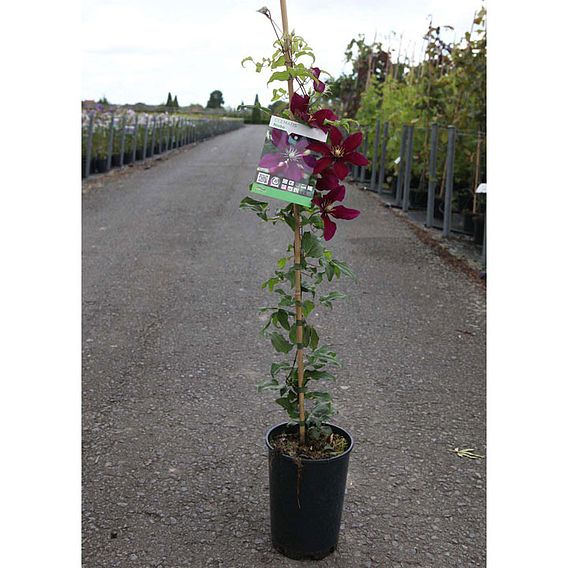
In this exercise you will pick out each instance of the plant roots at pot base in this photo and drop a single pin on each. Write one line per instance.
(306, 499)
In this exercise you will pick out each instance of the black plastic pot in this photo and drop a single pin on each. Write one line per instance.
(139, 154)
(127, 158)
(418, 199)
(101, 165)
(478, 228)
(306, 500)
(468, 221)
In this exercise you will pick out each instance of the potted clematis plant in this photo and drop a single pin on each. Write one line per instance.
(308, 455)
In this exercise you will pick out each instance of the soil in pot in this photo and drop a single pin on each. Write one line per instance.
(306, 494)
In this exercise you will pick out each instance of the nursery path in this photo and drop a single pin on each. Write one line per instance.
(175, 471)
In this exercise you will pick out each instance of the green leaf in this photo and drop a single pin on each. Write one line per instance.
(282, 317)
(314, 339)
(259, 207)
(319, 375)
(269, 384)
(344, 268)
(279, 343)
(316, 395)
(282, 262)
(275, 368)
(279, 76)
(311, 246)
(332, 297)
(307, 307)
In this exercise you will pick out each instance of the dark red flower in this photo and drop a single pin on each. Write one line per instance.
(328, 209)
(339, 153)
(319, 86)
(327, 180)
(299, 105)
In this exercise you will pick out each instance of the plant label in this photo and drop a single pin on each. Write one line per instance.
(286, 165)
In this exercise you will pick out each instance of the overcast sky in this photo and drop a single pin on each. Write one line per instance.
(138, 50)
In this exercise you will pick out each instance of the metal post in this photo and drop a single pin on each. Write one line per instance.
(375, 155)
(432, 175)
(449, 181)
(363, 169)
(110, 140)
(122, 140)
(408, 168)
(145, 152)
(383, 158)
(399, 179)
(160, 136)
(89, 145)
(153, 142)
(135, 139)
(170, 137)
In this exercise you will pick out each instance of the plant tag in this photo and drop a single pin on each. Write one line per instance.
(286, 165)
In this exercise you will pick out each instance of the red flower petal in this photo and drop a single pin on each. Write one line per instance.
(357, 159)
(322, 164)
(342, 212)
(336, 194)
(319, 147)
(340, 169)
(353, 141)
(327, 181)
(319, 116)
(329, 227)
(299, 104)
(335, 136)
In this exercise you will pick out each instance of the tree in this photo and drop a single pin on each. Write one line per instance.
(215, 100)
(175, 103)
(255, 118)
(169, 101)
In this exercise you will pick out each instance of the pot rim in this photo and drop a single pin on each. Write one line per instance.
(341, 430)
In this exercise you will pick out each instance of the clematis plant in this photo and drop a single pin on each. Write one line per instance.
(303, 361)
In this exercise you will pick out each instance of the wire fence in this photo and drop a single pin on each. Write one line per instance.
(431, 173)
(116, 139)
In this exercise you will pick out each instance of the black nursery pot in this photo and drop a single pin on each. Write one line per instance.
(306, 500)
(101, 165)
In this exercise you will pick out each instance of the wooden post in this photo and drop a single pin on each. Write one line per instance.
(297, 248)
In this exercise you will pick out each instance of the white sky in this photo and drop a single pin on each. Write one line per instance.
(138, 50)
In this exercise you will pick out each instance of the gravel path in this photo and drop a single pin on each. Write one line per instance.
(175, 472)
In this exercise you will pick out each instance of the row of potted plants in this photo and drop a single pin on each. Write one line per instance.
(136, 136)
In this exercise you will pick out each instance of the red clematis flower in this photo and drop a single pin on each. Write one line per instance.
(327, 181)
(319, 86)
(339, 153)
(328, 209)
(299, 105)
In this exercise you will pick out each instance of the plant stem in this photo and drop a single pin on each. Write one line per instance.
(297, 249)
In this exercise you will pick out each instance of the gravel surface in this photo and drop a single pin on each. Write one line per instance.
(175, 471)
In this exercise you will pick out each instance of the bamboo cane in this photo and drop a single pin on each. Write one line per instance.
(297, 248)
